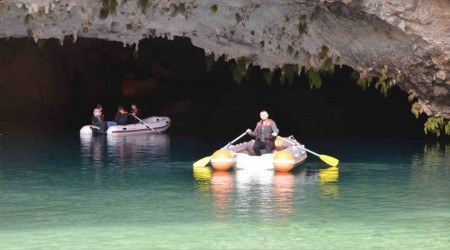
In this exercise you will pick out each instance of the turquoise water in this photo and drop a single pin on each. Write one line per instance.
(140, 192)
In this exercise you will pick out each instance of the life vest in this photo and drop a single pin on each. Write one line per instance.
(267, 131)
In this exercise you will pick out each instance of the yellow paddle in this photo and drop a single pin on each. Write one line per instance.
(205, 160)
(202, 162)
(325, 158)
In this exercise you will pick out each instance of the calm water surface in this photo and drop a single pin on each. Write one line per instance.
(140, 192)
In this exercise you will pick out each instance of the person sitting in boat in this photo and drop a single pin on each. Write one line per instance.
(121, 116)
(134, 112)
(265, 132)
(98, 118)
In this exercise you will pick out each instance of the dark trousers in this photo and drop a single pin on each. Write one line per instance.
(263, 144)
(101, 125)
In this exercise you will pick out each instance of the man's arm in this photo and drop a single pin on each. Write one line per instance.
(275, 130)
(252, 133)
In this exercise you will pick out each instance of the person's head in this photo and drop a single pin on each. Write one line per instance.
(133, 106)
(264, 115)
(99, 106)
(120, 107)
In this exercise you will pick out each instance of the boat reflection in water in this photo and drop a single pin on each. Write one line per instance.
(243, 193)
(283, 192)
(123, 149)
(264, 193)
(221, 186)
(133, 148)
(92, 150)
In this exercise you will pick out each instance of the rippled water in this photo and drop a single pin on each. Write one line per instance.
(139, 191)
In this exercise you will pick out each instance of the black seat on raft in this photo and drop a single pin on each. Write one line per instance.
(263, 151)
(252, 152)
(97, 130)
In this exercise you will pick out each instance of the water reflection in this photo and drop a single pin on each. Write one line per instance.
(121, 150)
(283, 192)
(430, 171)
(435, 155)
(328, 179)
(221, 186)
(264, 194)
(132, 148)
(92, 150)
(202, 176)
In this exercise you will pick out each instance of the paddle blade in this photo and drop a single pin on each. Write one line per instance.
(202, 162)
(329, 160)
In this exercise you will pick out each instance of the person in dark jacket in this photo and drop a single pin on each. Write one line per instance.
(98, 118)
(121, 116)
(135, 111)
(265, 132)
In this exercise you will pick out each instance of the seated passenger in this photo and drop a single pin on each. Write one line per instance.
(97, 119)
(121, 116)
(134, 112)
(265, 132)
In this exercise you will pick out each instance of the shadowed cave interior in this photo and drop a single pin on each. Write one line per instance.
(51, 88)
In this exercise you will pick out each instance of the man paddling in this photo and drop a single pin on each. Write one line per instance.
(135, 112)
(265, 132)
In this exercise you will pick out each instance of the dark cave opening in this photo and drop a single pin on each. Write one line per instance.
(54, 88)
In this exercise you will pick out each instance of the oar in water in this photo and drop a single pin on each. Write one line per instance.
(325, 158)
(148, 126)
(205, 160)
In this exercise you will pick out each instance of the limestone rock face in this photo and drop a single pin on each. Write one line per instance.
(411, 38)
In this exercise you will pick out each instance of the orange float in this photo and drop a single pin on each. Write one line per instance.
(279, 142)
(283, 161)
(222, 160)
(288, 154)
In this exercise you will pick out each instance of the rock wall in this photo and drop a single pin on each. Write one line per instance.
(403, 42)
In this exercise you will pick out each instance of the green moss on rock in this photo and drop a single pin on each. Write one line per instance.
(416, 109)
(143, 5)
(238, 69)
(136, 54)
(314, 79)
(327, 66)
(209, 62)
(267, 75)
(323, 52)
(288, 71)
(290, 49)
(27, 19)
(434, 125)
(41, 43)
(238, 17)
(108, 7)
(152, 33)
(302, 28)
(315, 13)
(382, 82)
(213, 8)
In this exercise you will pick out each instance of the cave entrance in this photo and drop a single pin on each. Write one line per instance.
(46, 85)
